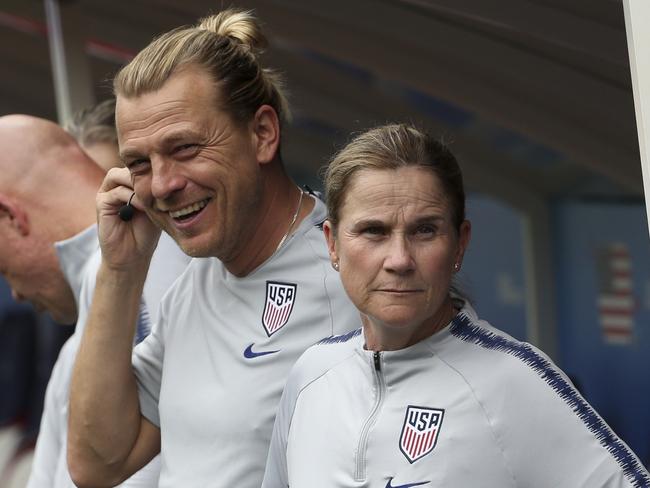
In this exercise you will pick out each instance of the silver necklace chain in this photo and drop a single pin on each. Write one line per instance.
(293, 221)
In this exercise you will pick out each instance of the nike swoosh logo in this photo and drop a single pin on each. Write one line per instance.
(250, 354)
(408, 485)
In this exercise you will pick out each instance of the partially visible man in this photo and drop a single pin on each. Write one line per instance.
(40, 166)
(198, 121)
(49, 254)
(94, 129)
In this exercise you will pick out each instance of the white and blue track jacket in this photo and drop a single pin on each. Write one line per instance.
(467, 407)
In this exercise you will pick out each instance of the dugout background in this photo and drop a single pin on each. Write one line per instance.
(534, 96)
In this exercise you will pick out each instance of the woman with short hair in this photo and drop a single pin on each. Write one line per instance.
(426, 393)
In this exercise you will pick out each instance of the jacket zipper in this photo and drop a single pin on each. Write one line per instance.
(380, 384)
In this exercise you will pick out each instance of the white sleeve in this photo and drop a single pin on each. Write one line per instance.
(49, 445)
(553, 437)
(148, 355)
(147, 477)
(276, 473)
(147, 365)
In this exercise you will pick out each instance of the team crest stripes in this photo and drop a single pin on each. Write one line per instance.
(417, 444)
(277, 317)
(420, 431)
(279, 302)
(463, 328)
(424, 443)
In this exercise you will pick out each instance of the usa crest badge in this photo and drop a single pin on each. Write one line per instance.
(420, 431)
(280, 298)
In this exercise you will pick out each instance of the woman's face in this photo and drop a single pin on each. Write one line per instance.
(396, 248)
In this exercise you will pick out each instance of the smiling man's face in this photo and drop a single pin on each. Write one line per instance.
(192, 166)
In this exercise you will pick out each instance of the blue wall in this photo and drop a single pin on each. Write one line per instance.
(615, 378)
(493, 269)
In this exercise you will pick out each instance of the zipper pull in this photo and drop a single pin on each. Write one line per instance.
(376, 357)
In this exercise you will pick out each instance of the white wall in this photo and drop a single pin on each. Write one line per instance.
(637, 20)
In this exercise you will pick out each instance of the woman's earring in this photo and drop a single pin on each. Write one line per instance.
(457, 267)
(335, 265)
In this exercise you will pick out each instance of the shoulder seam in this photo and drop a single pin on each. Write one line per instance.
(487, 418)
(307, 239)
(311, 382)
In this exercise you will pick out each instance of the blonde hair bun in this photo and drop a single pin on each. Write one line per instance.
(239, 25)
(227, 46)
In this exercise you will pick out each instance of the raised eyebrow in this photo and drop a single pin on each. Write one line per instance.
(169, 140)
(174, 138)
(429, 219)
(127, 156)
(368, 223)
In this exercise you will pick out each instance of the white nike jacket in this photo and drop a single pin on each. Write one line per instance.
(467, 407)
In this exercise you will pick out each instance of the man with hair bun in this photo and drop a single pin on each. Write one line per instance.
(199, 124)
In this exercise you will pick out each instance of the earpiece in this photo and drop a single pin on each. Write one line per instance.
(126, 211)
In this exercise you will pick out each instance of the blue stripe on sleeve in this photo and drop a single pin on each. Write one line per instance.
(463, 328)
(340, 338)
(143, 326)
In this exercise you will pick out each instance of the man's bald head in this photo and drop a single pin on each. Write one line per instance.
(47, 194)
(44, 169)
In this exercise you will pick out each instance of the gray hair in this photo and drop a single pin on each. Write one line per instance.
(94, 124)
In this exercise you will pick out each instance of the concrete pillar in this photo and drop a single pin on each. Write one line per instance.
(73, 86)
